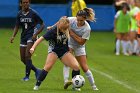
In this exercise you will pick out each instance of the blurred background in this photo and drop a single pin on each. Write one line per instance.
(52, 10)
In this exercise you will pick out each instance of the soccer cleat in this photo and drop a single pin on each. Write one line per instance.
(25, 78)
(94, 87)
(76, 89)
(67, 84)
(117, 54)
(37, 73)
(126, 54)
(36, 87)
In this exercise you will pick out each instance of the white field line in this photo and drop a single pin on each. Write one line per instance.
(116, 81)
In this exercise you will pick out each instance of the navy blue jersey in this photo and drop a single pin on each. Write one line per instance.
(28, 21)
(57, 43)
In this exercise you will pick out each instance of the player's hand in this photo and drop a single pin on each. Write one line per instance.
(32, 50)
(12, 39)
(34, 37)
(49, 27)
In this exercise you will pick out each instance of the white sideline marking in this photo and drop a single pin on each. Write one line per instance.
(115, 80)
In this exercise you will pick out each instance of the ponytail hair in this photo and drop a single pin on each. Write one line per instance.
(87, 13)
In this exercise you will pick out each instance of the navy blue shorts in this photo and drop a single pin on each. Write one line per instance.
(61, 53)
(23, 42)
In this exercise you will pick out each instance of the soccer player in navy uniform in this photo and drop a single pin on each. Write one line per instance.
(58, 48)
(27, 19)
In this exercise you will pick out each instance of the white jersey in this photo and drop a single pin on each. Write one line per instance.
(83, 31)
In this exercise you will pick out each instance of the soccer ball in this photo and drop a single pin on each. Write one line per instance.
(78, 81)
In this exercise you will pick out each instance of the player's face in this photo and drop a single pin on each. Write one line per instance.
(80, 21)
(25, 4)
(125, 9)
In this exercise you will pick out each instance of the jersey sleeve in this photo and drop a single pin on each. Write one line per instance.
(38, 19)
(117, 14)
(86, 34)
(50, 34)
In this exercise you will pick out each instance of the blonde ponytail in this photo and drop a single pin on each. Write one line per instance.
(90, 14)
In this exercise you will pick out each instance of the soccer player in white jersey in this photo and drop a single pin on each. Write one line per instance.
(79, 34)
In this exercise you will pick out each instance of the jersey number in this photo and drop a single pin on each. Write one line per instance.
(26, 26)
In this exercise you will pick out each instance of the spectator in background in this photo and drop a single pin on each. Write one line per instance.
(138, 24)
(133, 31)
(118, 4)
(77, 5)
(121, 28)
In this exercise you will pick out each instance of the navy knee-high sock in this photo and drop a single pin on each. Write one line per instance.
(33, 68)
(41, 77)
(74, 73)
(28, 67)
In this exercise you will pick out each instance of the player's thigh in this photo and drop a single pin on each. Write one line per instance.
(125, 36)
(22, 53)
(132, 35)
(50, 61)
(69, 60)
(29, 45)
(138, 38)
(83, 62)
(118, 35)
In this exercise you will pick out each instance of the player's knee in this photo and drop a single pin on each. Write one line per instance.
(76, 67)
(27, 57)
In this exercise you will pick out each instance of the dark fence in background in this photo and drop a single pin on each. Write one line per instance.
(50, 13)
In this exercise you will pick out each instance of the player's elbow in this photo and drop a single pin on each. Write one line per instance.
(81, 42)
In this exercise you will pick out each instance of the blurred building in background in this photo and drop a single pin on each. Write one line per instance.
(52, 10)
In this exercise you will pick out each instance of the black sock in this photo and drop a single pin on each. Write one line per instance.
(74, 73)
(28, 67)
(41, 77)
(33, 68)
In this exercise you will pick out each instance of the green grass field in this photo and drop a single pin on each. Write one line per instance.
(113, 74)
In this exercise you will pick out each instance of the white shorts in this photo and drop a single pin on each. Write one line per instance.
(78, 51)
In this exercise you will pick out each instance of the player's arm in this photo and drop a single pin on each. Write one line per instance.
(77, 38)
(14, 33)
(16, 28)
(115, 22)
(39, 31)
(50, 27)
(36, 44)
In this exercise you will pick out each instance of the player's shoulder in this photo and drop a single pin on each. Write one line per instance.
(52, 30)
(87, 26)
(33, 11)
(19, 12)
(72, 18)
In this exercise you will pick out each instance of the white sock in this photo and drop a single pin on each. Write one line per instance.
(128, 43)
(131, 47)
(118, 46)
(135, 42)
(124, 46)
(90, 77)
(66, 73)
